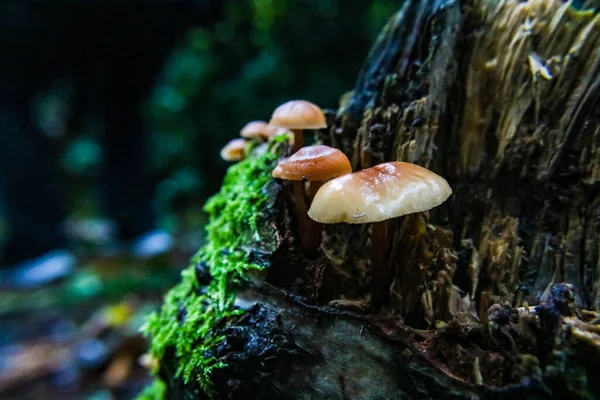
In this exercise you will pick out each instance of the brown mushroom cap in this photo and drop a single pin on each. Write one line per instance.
(375, 194)
(313, 163)
(298, 114)
(258, 130)
(234, 150)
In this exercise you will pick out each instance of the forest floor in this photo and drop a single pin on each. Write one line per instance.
(79, 338)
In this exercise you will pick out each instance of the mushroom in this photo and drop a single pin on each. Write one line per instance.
(257, 130)
(282, 131)
(297, 115)
(234, 150)
(374, 195)
(315, 164)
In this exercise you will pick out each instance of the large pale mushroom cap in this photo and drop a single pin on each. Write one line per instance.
(375, 194)
(234, 150)
(298, 114)
(258, 130)
(313, 163)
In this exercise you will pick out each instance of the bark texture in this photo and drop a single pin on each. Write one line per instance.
(502, 98)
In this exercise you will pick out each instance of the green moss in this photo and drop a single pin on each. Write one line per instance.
(155, 391)
(237, 218)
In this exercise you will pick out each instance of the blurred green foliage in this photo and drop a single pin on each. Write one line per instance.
(259, 54)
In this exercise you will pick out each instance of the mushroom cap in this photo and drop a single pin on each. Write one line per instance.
(234, 150)
(259, 130)
(298, 114)
(385, 191)
(313, 163)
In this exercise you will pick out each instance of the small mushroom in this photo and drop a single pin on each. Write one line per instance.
(315, 164)
(282, 131)
(374, 195)
(257, 130)
(297, 115)
(234, 150)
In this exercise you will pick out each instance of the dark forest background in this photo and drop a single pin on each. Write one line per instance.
(237, 68)
(80, 338)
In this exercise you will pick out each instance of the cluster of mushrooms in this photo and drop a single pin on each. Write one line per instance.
(338, 195)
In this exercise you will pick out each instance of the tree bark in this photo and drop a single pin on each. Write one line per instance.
(501, 98)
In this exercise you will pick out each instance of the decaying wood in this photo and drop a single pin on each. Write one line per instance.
(502, 98)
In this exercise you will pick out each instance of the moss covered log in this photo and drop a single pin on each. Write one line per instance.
(238, 238)
(494, 294)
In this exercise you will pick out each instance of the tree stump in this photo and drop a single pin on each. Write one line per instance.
(494, 293)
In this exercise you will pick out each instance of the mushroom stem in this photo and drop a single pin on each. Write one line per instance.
(313, 188)
(366, 159)
(380, 276)
(312, 238)
(301, 209)
(314, 229)
(298, 139)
